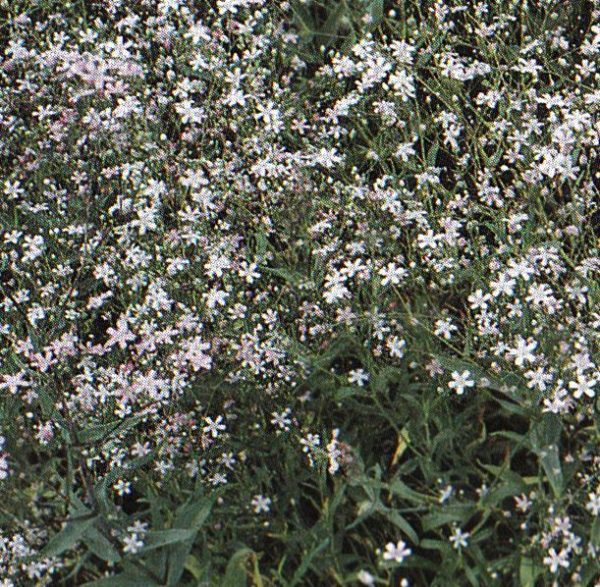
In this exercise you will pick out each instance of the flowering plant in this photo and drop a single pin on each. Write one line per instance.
(299, 292)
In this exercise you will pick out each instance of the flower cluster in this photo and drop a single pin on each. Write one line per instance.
(243, 242)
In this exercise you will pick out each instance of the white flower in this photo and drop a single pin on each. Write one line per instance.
(248, 271)
(523, 352)
(358, 376)
(396, 552)
(4, 469)
(404, 85)
(392, 274)
(479, 300)
(365, 578)
(337, 292)
(446, 493)
(216, 296)
(334, 453)
(311, 442)
(132, 543)
(120, 335)
(555, 560)
(460, 381)
(260, 503)
(216, 265)
(138, 527)
(270, 117)
(538, 378)
(503, 286)
(459, 539)
(427, 240)
(214, 427)
(122, 487)
(593, 505)
(13, 382)
(190, 113)
(404, 151)
(328, 158)
(583, 386)
(523, 503)
(226, 6)
(281, 419)
(444, 328)
(396, 346)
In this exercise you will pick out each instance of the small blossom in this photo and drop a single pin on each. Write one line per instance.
(396, 552)
(365, 578)
(460, 381)
(459, 539)
(260, 503)
(132, 544)
(214, 427)
(583, 386)
(556, 560)
(358, 376)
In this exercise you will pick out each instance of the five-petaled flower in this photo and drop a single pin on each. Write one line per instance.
(396, 552)
(214, 427)
(120, 335)
(460, 381)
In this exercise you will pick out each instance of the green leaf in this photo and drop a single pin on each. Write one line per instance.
(546, 432)
(345, 392)
(460, 514)
(236, 573)
(529, 571)
(157, 538)
(351, 40)
(432, 154)
(306, 562)
(430, 544)
(471, 576)
(513, 408)
(191, 515)
(46, 402)
(305, 20)
(595, 533)
(402, 490)
(432, 48)
(497, 495)
(101, 488)
(550, 461)
(193, 566)
(104, 431)
(589, 572)
(375, 10)
(261, 244)
(68, 537)
(495, 158)
(328, 32)
(401, 522)
(365, 510)
(518, 439)
(545, 436)
(194, 513)
(123, 580)
(100, 545)
(285, 274)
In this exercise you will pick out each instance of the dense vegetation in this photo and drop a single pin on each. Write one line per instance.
(299, 293)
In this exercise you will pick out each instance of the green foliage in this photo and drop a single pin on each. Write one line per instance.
(265, 340)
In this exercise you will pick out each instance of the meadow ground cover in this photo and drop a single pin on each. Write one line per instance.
(299, 293)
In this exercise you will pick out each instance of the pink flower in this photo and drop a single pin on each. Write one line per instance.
(121, 335)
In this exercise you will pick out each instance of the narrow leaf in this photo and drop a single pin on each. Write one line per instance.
(68, 537)
(158, 538)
